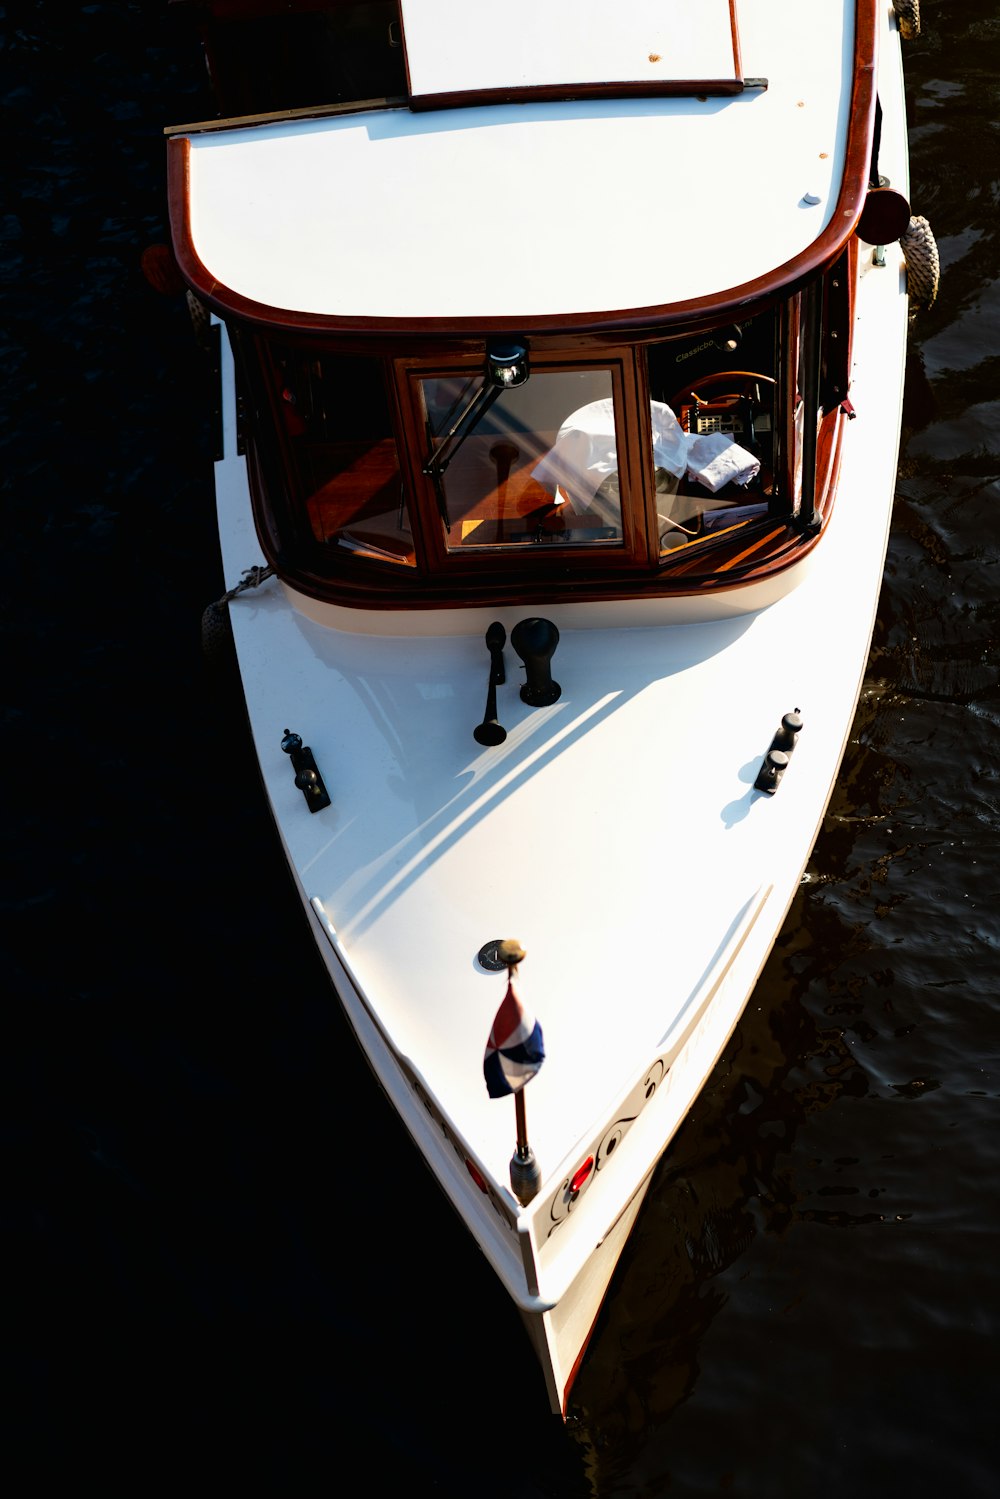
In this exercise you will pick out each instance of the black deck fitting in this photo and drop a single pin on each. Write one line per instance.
(776, 760)
(307, 776)
(490, 731)
(535, 641)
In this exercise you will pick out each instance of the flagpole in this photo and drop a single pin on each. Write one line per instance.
(525, 1172)
(522, 1128)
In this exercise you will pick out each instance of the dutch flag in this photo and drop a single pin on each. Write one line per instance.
(515, 1050)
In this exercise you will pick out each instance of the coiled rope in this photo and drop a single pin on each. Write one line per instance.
(923, 264)
(908, 17)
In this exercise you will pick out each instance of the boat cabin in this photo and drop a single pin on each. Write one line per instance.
(508, 321)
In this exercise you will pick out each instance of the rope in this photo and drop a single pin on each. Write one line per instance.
(201, 320)
(923, 265)
(216, 626)
(908, 17)
(253, 577)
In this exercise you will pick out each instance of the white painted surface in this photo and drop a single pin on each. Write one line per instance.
(455, 44)
(537, 209)
(616, 833)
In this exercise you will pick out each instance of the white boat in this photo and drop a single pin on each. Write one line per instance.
(561, 358)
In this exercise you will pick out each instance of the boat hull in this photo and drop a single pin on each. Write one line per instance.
(617, 832)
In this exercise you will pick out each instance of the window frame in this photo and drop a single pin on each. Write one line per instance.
(517, 560)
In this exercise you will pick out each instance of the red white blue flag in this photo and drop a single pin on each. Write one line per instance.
(515, 1050)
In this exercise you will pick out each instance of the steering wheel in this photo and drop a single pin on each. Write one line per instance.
(722, 391)
(731, 385)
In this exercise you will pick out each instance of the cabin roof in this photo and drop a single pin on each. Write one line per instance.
(541, 212)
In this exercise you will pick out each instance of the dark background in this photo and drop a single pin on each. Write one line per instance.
(218, 1238)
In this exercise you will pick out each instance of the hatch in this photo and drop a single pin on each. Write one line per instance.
(566, 48)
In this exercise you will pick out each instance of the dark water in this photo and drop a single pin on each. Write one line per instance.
(216, 1235)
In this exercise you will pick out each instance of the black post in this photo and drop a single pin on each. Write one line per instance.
(489, 731)
(535, 641)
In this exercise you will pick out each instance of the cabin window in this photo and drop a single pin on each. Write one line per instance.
(342, 459)
(538, 466)
(679, 461)
(716, 413)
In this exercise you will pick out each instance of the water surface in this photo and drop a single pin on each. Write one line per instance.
(220, 1236)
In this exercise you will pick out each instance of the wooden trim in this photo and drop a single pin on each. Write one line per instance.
(457, 565)
(281, 116)
(550, 93)
(720, 567)
(755, 546)
(752, 552)
(734, 31)
(838, 327)
(382, 587)
(749, 552)
(733, 303)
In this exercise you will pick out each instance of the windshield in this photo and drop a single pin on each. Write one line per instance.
(690, 460)
(538, 463)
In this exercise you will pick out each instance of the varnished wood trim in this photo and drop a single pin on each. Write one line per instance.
(838, 327)
(552, 93)
(281, 116)
(734, 32)
(459, 564)
(719, 567)
(720, 563)
(733, 562)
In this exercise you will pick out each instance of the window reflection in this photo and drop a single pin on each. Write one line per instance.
(540, 466)
(718, 389)
(344, 463)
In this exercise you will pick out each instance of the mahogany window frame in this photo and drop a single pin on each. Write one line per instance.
(517, 561)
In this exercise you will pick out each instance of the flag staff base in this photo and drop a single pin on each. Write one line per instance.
(525, 1172)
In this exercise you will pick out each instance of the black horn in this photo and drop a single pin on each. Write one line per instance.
(489, 731)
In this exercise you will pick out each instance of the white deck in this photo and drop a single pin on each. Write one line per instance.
(615, 834)
(524, 44)
(536, 209)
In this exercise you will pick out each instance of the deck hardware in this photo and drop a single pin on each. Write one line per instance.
(776, 760)
(307, 776)
(525, 1172)
(535, 641)
(491, 957)
(506, 364)
(884, 217)
(490, 731)
(770, 773)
